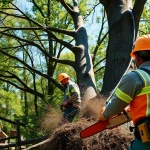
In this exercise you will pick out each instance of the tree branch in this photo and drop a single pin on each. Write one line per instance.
(66, 7)
(29, 42)
(99, 62)
(34, 70)
(18, 16)
(14, 76)
(29, 90)
(38, 8)
(66, 44)
(48, 8)
(28, 18)
(104, 2)
(98, 40)
(99, 69)
(69, 46)
(137, 10)
(66, 32)
(68, 62)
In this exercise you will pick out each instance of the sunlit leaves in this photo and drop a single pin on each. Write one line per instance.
(5, 2)
(11, 105)
(145, 20)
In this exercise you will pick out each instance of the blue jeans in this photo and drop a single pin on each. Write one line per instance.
(138, 145)
(70, 113)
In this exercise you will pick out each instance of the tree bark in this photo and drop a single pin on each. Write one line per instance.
(84, 66)
(121, 33)
(83, 62)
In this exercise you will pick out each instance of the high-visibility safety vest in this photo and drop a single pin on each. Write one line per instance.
(69, 91)
(140, 105)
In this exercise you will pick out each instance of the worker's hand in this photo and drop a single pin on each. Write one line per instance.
(101, 118)
(62, 108)
(64, 104)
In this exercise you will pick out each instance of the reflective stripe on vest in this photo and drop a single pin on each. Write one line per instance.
(68, 93)
(146, 90)
(123, 96)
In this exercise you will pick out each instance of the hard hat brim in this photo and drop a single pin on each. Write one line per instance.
(64, 78)
(132, 54)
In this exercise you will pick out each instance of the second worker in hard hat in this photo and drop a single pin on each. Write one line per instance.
(134, 90)
(72, 100)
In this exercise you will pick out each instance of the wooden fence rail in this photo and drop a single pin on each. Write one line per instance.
(17, 136)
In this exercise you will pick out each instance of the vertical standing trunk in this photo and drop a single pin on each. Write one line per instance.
(121, 33)
(25, 93)
(50, 66)
(84, 67)
(83, 63)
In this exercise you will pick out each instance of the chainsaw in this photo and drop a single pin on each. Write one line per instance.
(113, 122)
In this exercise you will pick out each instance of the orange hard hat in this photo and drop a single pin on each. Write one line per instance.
(141, 44)
(63, 76)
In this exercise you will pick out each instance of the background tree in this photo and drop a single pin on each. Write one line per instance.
(122, 33)
(82, 63)
(28, 46)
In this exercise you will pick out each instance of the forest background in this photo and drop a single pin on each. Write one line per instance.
(41, 39)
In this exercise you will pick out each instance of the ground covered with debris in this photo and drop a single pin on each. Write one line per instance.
(67, 136)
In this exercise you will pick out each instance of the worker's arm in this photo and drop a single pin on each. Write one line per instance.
(130, 85)
(74, 95)
(114, 107)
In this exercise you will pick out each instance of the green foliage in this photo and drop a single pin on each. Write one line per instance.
(56, 98)
(14, 103)
(11, 107)
(144, 27)
(101, 54)
(10, 104)
(5, 2)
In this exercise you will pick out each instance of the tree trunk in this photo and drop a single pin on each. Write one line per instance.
(83, 62)
(121, 33)
(84, 66)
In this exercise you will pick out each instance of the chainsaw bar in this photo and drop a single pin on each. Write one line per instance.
(93, 129)
(108, 124)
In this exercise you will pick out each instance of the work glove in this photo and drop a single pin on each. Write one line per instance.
(101, 118)
(64, 104)
(62, 108)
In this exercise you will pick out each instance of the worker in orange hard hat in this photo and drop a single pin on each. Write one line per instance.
(71, 105)
(134, 90)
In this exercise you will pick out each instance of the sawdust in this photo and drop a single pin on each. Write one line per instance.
(91, 108)
(67, 136)
(51, 120)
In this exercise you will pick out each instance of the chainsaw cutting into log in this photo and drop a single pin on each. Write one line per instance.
(113, 122)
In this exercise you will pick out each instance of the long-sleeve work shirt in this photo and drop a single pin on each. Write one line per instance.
(131, 84)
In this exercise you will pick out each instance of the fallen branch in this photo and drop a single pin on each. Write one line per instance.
(38, 145)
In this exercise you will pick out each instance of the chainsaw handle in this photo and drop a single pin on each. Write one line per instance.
(62, 108)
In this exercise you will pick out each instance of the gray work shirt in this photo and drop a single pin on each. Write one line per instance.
(72, 93)
(131, 84)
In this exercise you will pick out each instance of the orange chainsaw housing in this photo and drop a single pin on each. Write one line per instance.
(113, 122)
